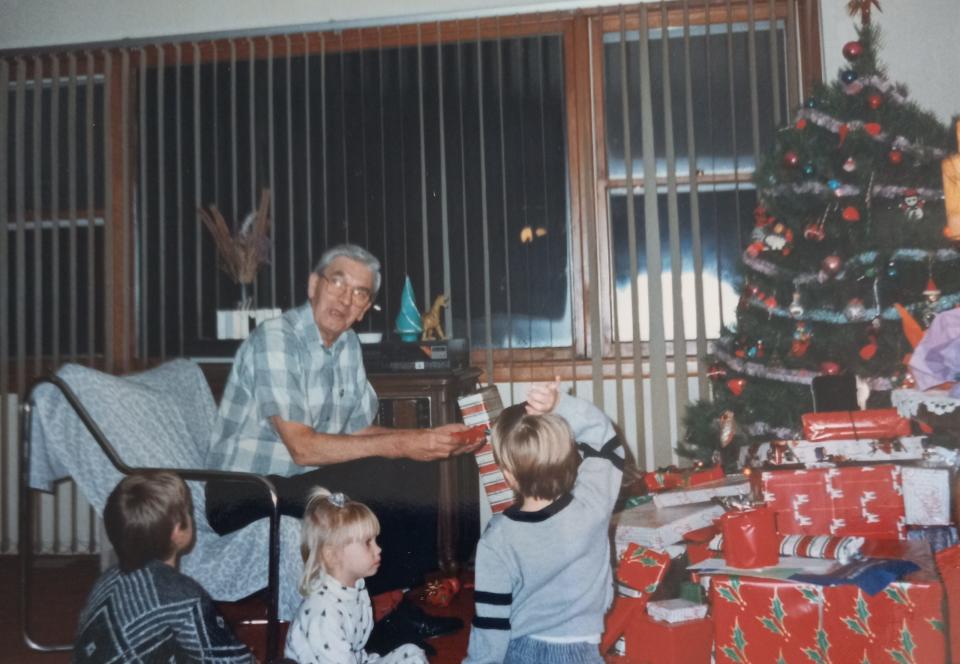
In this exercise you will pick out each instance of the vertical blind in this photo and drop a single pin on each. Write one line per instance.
(577, 183)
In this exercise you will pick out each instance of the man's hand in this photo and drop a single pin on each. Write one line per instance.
(542, 398)
(437, 443)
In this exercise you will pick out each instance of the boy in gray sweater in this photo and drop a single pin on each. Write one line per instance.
(543, 575)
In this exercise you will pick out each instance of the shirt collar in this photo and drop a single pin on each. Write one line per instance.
(515, 514)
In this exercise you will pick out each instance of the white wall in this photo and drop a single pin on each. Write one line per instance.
(919, 36)
(918, 48)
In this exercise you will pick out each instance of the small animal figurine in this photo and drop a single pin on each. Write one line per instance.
(431, 320)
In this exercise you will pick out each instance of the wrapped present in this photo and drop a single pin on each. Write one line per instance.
(658, 528)
(733, 485)
(641, 569)
(948, 562)
(770, 620)
(825, 547)
(652, 641)
(926, 495)
(909, 448)
(639, 573)
(672, 478)
(864, 501)
(699, 542)
(479, 411)
(854, 424)
(676, 610)
(750, 538)
(440, 592)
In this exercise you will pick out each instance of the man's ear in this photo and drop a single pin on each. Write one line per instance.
(313, 283)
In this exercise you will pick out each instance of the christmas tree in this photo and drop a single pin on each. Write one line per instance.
(847, 250)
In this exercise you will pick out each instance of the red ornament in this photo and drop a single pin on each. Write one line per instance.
(736, 385)
(872, 128)
(875, 101)
(717, 372)
(852, 50)
(832, 264)
(851, 214)
(802, 123)
(790, 159)
(814, 232)
(842, 131)
(895, 157)
(869, 350)
(829, 368)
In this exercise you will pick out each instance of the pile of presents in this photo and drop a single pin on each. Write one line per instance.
(841, 547)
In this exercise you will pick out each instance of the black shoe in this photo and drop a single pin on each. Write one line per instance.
(423, 624)
(392, 632)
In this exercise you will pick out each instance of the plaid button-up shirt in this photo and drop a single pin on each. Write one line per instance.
(284, 369)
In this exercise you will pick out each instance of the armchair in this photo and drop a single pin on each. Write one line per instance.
(94, 427)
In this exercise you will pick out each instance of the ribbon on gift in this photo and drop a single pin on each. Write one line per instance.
(440, 592)
(854, 425)
(750, 538)
(826, 547)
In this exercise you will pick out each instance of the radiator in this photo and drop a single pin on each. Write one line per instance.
(64, 522)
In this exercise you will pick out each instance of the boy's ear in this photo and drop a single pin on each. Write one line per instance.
(511, 480)
(182, 536)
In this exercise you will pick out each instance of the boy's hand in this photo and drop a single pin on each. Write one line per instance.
(542, 398)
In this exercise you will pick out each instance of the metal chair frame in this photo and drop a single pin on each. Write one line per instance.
(26, 513)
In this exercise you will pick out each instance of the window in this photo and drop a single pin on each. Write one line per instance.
(727, 140)
(448, 162)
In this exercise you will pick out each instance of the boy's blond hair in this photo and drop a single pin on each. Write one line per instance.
(141, 513)
(538, 450)
(330, 522)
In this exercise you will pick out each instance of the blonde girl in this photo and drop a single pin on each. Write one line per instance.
(339, 548)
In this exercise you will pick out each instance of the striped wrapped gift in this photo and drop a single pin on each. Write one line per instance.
(828, 547)
(480, 410)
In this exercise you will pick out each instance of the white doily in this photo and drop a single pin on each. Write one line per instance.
(938, 402)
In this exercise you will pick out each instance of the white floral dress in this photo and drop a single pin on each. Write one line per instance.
(333, 624)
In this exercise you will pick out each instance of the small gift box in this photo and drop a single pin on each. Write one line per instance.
(659, 528)
(750, 538)
(854, 425)
(641, 568)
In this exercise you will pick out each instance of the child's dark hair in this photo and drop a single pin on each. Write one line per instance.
(141, 514)
(538, 450)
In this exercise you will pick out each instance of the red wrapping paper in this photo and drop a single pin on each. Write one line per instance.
(672, 478)
(765, 620)
(640, 569)
(864, 501)
(750, 538)
(854, 425)
(948, 562)
(650, 641)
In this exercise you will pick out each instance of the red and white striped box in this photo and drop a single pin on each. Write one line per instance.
(479, 411)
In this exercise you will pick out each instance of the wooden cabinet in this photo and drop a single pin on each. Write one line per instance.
(419, 400)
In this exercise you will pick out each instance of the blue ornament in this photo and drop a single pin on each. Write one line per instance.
(811, 102)
(752, 352)
(848, 76)
(892, 270)
(834, 184)
(809, 170)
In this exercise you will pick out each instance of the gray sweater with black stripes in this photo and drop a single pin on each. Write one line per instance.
(547, 573)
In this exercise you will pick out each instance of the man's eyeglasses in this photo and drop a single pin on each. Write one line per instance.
(338, 285)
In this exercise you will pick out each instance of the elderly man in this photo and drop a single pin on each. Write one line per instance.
(298, 407)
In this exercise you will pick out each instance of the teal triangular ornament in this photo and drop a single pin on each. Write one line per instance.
(408, 320)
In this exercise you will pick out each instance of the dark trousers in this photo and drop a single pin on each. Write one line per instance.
(402, 493)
